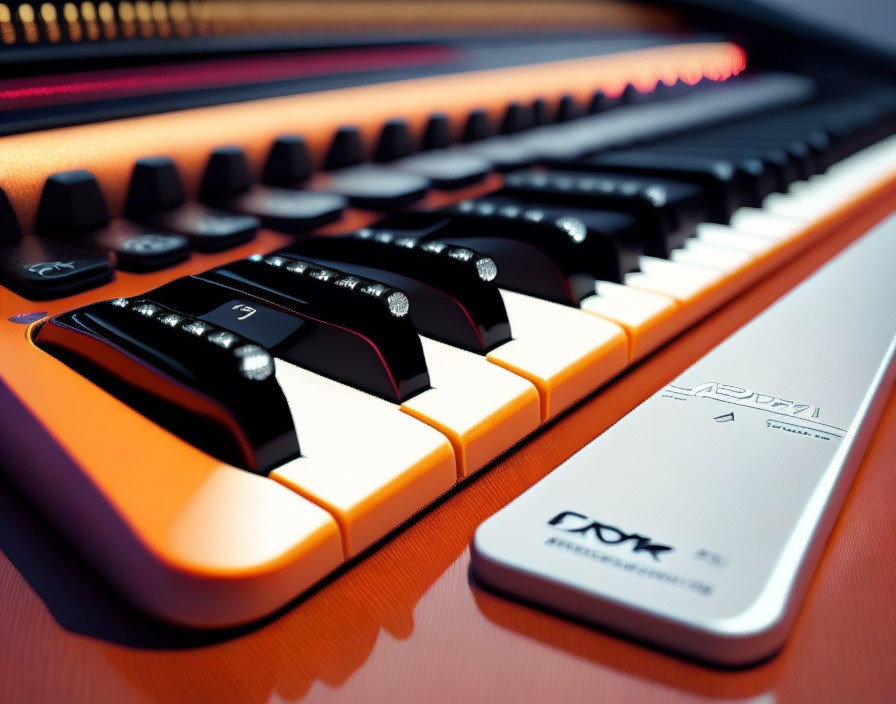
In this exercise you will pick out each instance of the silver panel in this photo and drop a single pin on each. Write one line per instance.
(738, 466)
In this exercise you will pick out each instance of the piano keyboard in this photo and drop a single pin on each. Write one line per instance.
(310, 394)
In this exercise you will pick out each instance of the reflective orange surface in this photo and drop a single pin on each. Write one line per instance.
(407, 623)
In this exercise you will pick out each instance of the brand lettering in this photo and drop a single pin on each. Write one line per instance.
(572, 522)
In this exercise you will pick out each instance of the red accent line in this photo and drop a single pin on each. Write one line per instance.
(84, 86)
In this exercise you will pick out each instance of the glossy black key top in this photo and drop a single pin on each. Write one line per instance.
(615, 241)
(452, 290)
(791, 160)
(214, 388)
(156, 198)
(42, 268)
(227, 184)
(667, 211)
(363, 337)
(556, 259)
(766, 169)
(806, 151)
(73, 208)
(727, 186)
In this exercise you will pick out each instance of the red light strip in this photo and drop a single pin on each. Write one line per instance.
(22, 93)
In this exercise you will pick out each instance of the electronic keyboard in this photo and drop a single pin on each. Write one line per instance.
(253, 328)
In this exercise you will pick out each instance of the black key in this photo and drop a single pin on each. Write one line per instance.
(569, 109)
(667, 211)
(601, 102)
(215, 389)
(541, 112)
(374, 187)
(726, 186)
(42, 268)
(806, 151)
(288, 162)
(616, 241)
(558, 260)
(371, 187)
(771, 170)
(582, 246)
(451, 289)
(446, 169)
(437, 134)
(394, 141)
(793, 158)
(632, 96)
(346, 149)
(478, 126)
(503, 153)
(156, 198)
(73, 208)
(227, 184)
(517, 117)
(363, 337)
(207, 229)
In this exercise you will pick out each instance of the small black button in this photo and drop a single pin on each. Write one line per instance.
(138, 247)
(288, 162)
(226, 174)
(376, 187)
(41, 269)
(437, 134)
(541, 112)
(71, 203)
(447, 169)
(394, 142)
(569, 109)
(288, 210)
(478, 126)
(346, 149)
(517, 118)
(207, 229)
(601, 102)
(155, 185)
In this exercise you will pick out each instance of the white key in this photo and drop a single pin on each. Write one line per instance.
(370, 465)
(483, 409)
(648, 319)
(724, 236)
(708, 255)
(764, 223)
(565, 352)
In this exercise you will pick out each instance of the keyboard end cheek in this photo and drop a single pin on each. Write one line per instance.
(188, 539)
